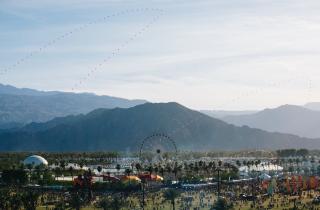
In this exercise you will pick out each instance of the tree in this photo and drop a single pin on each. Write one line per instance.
(114, 203)
(150, 169)
(76, 201)
(171, 196)
(63, 164)
(60, 206)
(176, 169)
(15, 201)
(57, 171)
(138, 167)
(30, 200)
(118, 167)
(318, 170)
(99, 168)
(168, 169)
(222, 204)
(104, 203)
(302, 152)
(71, 171)
(81, 164)
(4, 199)
(161, 170)
(13, 176)
(128, 171)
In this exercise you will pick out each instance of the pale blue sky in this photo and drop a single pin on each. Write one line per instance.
(211, 54)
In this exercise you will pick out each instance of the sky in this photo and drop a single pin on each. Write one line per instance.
(210, 54)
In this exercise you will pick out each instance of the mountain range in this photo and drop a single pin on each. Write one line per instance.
(291, 119)
(123, 129)
(315, 106)
(63, 121)
(20, 106)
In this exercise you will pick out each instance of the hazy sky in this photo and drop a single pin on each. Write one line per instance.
(225, 54)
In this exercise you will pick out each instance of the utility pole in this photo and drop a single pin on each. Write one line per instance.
(254, 190)
(219, 182)
(143, 192)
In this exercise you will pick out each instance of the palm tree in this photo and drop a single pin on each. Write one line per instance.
(63, 164)
(81, 164)
(171, 196)
(212, 166)
(196, 169)
(99, 168)
(161, 170)
(191, 166)
(176, 169)
(71, 171)
(138, 167)
(118, 167)
(156, 169)
(200, 165)
(244, 162)
(128, 171)
(150, 169)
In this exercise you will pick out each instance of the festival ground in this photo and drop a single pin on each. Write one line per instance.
(276, 202)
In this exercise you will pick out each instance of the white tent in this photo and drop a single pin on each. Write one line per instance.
(35, 160)
(262, 167)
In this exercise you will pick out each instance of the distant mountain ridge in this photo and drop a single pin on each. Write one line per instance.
(19, 106)
(122, 129)
(313, 106)
(11, 90)
(222, 113)
(291, 119)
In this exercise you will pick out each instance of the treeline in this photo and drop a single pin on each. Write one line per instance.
(293, 153)
(9, 160)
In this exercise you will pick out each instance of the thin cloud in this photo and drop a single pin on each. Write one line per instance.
(221, 49)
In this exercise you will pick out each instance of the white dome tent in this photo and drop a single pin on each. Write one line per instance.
(35, 160)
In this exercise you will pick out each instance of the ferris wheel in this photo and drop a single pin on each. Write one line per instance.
(158, 147)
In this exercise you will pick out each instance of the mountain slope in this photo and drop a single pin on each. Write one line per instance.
(21, 106)
(221, 113)
(285, 119)
(313, 106)
(124, 129)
